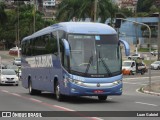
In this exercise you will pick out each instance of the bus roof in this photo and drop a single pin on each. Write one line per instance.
(77, 28)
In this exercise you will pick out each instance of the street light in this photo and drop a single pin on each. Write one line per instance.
(34, 16)
(137, 23)
(17, 46)
(95, 10)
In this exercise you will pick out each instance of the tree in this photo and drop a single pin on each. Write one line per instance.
(82, 9)
(3, 16)
(144, 5)
(10, 29)
(126, 12)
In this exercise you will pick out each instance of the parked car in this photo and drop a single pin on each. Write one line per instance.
(14, 51)
(155, 65)
(8, 76)
(155, 52)
(17, 61)
(136, 56)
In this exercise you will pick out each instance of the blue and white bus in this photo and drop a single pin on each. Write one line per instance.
(73, 59)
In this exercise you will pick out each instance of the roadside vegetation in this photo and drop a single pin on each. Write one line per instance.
(66, 11)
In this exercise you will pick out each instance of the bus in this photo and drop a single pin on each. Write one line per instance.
(73, 59)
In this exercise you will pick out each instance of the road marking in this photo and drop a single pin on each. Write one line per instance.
(50, 105)
(140, 78)
(97, 118)
(16, 94)
(63, 108)
(146, 104)
(109, 98)
(135, 83)
(67, 109)
(35, 100)
(4, 91)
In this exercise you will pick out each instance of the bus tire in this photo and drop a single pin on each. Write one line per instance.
(31, 90)
(104, 97)
(59, 96)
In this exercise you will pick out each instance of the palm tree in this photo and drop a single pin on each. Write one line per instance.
(80, 9)
(67, 9)
(3, 16)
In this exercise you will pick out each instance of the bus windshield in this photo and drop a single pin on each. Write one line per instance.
(94, 55)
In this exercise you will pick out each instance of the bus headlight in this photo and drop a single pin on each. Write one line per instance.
(117, 82)
(78, 82)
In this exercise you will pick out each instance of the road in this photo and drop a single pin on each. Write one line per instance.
(17, 98)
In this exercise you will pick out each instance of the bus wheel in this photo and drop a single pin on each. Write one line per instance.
(33, 91)
(59, 96)
(102, 97)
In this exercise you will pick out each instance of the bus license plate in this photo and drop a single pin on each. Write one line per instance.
(98, 91)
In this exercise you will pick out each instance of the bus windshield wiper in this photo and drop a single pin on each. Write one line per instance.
(106, 66)
(89, 63)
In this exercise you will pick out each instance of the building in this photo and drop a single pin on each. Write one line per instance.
(133, 33)
(129, 4)
(48, 7)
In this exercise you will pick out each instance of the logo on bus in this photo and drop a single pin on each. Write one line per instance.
(98, 85)
(40, 61)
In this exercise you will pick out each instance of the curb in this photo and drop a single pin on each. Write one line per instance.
(149, 92)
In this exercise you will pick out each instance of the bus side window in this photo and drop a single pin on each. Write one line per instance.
(48, 48)
(28, 50)
(63, 56)
(53, 44)
(24, 48)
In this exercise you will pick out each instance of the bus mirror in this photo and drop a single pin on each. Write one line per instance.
(66, 47)
(126, 45)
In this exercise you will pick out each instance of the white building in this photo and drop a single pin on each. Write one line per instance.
(49, 3)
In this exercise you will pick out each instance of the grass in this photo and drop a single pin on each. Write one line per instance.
(147, 62)
(144, 50)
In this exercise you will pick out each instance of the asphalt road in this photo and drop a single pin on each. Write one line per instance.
(17, 98)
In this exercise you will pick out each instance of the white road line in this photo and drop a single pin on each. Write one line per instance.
(135, 83)
(67, 109)
(4, 91)
(97, 118)
(35, 100)
(15, 94)
(109, 98)
(146, 104)
(140, 78)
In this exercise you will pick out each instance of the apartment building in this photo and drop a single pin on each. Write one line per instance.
(130, 4)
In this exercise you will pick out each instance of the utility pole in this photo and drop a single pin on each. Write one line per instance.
(95, 10)
(136, 28)
(34, 16)
(18, 41)
(159, 38)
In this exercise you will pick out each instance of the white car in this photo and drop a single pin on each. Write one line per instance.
(17, 61)
(9, 76)
(155, 65)
(135, 56)
(129, 65)
(155, 52)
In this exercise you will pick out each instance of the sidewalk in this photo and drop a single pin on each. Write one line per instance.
(5, 55)
(154, 90)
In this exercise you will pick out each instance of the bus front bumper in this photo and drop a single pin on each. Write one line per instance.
(95, 91)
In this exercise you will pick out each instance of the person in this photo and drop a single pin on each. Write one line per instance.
(140, 67)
